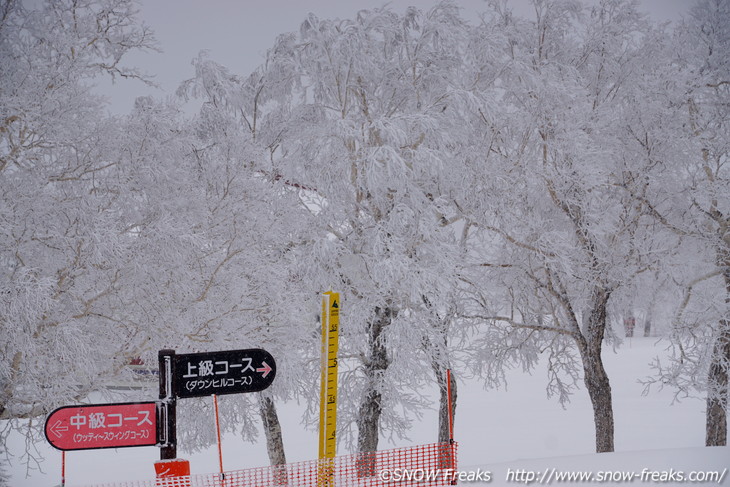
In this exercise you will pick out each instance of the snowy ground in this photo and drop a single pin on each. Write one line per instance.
(517, 435)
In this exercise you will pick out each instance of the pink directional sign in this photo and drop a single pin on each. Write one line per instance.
(103, 426)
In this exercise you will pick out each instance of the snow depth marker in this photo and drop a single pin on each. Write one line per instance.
(328, 386)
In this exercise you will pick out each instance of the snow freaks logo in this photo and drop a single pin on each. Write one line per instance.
(446, 475)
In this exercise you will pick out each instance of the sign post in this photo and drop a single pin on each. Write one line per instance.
(168, 406)
(328, 384)
(169, 465)
(155, 423)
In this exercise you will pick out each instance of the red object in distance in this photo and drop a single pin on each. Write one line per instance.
(103, 426)
(172, 469)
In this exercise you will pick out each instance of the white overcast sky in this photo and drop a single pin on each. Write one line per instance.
(238, 32)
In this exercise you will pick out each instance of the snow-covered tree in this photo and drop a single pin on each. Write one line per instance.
(360, 110)
(554, 239)
(241, 287)
(61, 249)
(686, 195)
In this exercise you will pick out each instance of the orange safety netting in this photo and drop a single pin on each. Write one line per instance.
(424, 466)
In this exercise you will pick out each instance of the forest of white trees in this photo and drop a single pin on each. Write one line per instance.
(484, 195)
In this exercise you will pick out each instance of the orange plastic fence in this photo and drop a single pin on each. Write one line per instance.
(424, 466)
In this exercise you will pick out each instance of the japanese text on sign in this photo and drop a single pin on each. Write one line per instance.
(115, 420)
(206, 368)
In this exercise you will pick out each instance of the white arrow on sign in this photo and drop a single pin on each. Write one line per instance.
(56, 429)
(265, 369)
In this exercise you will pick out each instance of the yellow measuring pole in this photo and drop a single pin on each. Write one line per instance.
(328, 390)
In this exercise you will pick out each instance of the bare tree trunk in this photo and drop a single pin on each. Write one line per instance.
(274, 438)
(4, 475)
(647, 326)
(717, 390)
(368, 420)
(599, 390)
(438, 351)
(594, 373)
(717, 380)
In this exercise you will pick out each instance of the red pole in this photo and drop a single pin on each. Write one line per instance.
(218, 433)
(63, 468)
(451, 423)
(451, 417)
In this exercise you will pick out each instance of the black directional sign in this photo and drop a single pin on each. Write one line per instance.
(227, 372)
